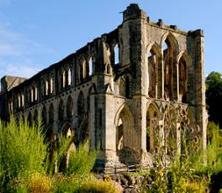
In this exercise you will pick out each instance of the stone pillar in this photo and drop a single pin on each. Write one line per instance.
(110, 130)
(178, 82)
(201, 114)
(162, 75)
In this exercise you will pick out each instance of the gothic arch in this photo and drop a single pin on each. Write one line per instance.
(83, 69)
(124, 123)
(116, 54)
(69, 107)
(90, 66)
(170, 50)
(170, 39)
(82, 130)
(154, 71)
(67, 132)
(183, 74)
(152, 130)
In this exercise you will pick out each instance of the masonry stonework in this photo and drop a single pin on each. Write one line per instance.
(126, 92)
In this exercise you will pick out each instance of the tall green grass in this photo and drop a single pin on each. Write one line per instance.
(22, 152)
(26, 165)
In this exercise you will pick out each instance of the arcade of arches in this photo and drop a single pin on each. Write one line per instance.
(128, 92)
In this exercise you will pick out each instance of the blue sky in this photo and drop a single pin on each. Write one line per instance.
(35, 34)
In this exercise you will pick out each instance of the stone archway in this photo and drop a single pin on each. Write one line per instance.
(69, 107)
(125, 144)
(69, 133)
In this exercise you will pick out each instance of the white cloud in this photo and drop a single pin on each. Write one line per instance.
(21, 70)
(17, 53)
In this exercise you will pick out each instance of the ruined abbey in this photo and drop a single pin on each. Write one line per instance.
(126, 92)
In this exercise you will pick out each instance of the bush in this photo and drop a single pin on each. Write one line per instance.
(81, 161)
(67, 184)
(22, 152)
(39, 183)
(99, 186)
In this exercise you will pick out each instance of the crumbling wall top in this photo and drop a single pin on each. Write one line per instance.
(133, 11)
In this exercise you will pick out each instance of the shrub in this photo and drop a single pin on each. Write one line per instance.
(81, 161)
(39, 183)
(22, 152)
(67, 184)
(99, 186)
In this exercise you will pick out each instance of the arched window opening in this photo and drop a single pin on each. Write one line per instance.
(116, 54)
(32, 94)
(90, 66)
(69, 107)
(61, 111)
(124, 137)
(152, 131)
(83, 74)
(67, 132)
(46, 87)
(19, 100)
(23, 100)
(69, 77)
(170, 49)
(152, 73)
(167, 72)
(63, 79)
(35, 93)
(182, 80)
(51, 86)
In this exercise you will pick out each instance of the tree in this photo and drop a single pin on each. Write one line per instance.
(214, 97)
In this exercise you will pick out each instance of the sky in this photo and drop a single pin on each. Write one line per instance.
(36, 34)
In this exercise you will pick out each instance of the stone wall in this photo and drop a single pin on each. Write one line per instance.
(126, 91)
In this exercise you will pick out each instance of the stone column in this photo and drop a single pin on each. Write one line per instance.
(201, 113)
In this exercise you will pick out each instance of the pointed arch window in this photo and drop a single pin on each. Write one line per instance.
(90, 66)
(116, 54)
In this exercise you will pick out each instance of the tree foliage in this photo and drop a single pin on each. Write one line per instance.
(214, 97)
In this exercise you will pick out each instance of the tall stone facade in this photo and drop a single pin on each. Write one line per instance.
(127, 91)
